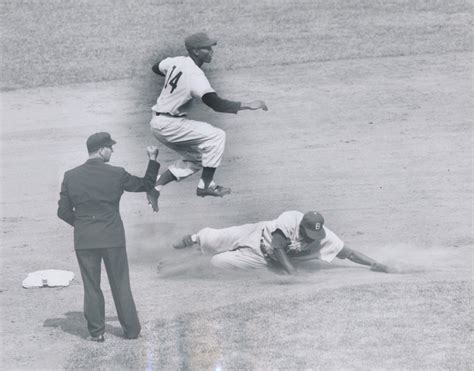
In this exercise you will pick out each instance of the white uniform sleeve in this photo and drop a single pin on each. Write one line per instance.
(165, 64)
(288, 222)
(199, 84)
(331, 246)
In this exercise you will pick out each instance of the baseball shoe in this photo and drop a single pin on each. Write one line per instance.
(97, 339)
(152, 197)
(378, 267)
(184, 242)
(215, 191)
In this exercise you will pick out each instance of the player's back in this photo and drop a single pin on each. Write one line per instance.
(184, 80)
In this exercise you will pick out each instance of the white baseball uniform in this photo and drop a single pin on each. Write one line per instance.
(249, 245)
(199, 143)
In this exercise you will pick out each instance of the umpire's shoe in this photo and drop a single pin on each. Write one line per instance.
(186, 241)
(152, 197)
(215, 191)
(97, 339)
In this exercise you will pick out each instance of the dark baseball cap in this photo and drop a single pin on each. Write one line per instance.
(99, 140)
(313, 225)
(199, 40)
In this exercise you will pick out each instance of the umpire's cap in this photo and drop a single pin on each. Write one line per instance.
(199, 40)
(99, 140)
(313, 225)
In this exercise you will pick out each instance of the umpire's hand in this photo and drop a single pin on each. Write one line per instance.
(152, 152)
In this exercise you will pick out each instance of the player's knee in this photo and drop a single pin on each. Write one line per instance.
(220, 135)
(216, 261)
(205, 238)
(206, 232)
(219, 142)
(220, 261)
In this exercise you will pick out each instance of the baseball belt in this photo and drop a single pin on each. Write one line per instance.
(168, 114)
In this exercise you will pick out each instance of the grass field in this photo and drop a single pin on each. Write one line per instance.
(369, 121)
(61, 42)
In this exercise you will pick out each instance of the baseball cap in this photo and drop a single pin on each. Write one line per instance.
(99, 140)
(199, 40)
(312, 224)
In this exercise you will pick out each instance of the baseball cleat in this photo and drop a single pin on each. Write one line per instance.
(184, 242)
(378, 267)
(215, 191)
(152, 197)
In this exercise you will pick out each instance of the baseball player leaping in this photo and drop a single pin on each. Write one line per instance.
(200, 144)
(277, 244)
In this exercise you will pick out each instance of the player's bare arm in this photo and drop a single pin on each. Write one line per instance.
(279, 244)
(359, 258)
(201, 55)
(219, 104)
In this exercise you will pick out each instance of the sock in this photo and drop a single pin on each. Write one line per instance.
(202, 186)
(207, 176)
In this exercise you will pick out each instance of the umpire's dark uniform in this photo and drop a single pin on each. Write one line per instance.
(89, 201)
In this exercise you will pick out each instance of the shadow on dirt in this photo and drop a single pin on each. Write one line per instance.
(75, 324)
(194, 265)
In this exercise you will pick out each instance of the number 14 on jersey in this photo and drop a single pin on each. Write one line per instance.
(173, 80)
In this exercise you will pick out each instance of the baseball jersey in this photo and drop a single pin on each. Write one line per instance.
(184, 80)
(289, 224)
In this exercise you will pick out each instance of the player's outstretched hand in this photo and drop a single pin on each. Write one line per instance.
(255, 105)
(152, 152)
(378, 267)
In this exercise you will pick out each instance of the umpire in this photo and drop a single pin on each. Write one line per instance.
(89, 201)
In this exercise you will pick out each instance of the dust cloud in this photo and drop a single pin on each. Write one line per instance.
(146, 248)
(405, 258)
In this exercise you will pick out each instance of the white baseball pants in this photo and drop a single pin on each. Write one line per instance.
(199, 143)
(241, 258)
(234, 247)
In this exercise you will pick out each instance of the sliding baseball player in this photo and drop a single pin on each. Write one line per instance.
(281, 243)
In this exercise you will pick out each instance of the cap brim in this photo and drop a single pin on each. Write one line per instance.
(315, 235)
(205, 45)
(111, 142)
(210, 43)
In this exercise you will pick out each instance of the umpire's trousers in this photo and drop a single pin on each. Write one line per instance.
(116, 265)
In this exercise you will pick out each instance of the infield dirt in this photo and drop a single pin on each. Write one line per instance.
(369, 122)
(382, 147)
